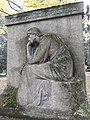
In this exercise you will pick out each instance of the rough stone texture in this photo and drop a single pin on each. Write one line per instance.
(66, 22)
(38, 114)
(68, 27)
(65, 96)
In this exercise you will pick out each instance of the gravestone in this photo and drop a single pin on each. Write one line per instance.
(47, 77)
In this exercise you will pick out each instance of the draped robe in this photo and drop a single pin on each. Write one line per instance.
(51, 61)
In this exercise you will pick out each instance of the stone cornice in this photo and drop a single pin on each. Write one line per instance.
(45, 13)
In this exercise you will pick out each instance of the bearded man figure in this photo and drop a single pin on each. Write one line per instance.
(48, 61)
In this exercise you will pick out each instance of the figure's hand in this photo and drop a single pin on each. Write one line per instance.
(28, 44)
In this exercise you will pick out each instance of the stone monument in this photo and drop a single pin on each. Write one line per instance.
(45, 67)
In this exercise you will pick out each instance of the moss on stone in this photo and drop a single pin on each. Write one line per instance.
(84, 110)
(8, 97)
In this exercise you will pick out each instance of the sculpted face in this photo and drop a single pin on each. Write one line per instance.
(32, 37)
(34, 34)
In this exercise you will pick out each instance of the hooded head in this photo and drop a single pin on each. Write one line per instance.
(35, 31)
(34, 34)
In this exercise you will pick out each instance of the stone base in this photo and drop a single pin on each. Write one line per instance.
(37, 114)
(68, 96)
(60, 95)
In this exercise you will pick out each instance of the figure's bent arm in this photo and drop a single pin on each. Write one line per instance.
(41, 54)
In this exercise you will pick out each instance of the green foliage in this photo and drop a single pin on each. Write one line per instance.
(3, 28)
(34, 4)
(84, 110)
(3, 52)
(3, 7)
(3, 44)
(11, 6)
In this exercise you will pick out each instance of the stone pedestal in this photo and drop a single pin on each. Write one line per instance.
(65, 100)
(38, 114)
(64, 96)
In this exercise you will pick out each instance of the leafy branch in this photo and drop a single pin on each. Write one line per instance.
(4, 11)
(13, 3)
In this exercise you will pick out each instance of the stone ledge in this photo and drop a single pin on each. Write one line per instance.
(45, 13)
(35, 114)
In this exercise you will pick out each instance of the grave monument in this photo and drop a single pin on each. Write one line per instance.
(45, 64)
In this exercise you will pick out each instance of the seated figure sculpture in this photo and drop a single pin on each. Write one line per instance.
(48, 60)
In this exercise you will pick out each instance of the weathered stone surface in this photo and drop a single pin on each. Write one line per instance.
(69, 99)
(73, 39)
(65, 96)
(38, 114)
(48, 64)
(66, 22)
(68, 27)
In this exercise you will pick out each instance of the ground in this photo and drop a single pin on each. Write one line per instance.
(88, 85)
(3, 83)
